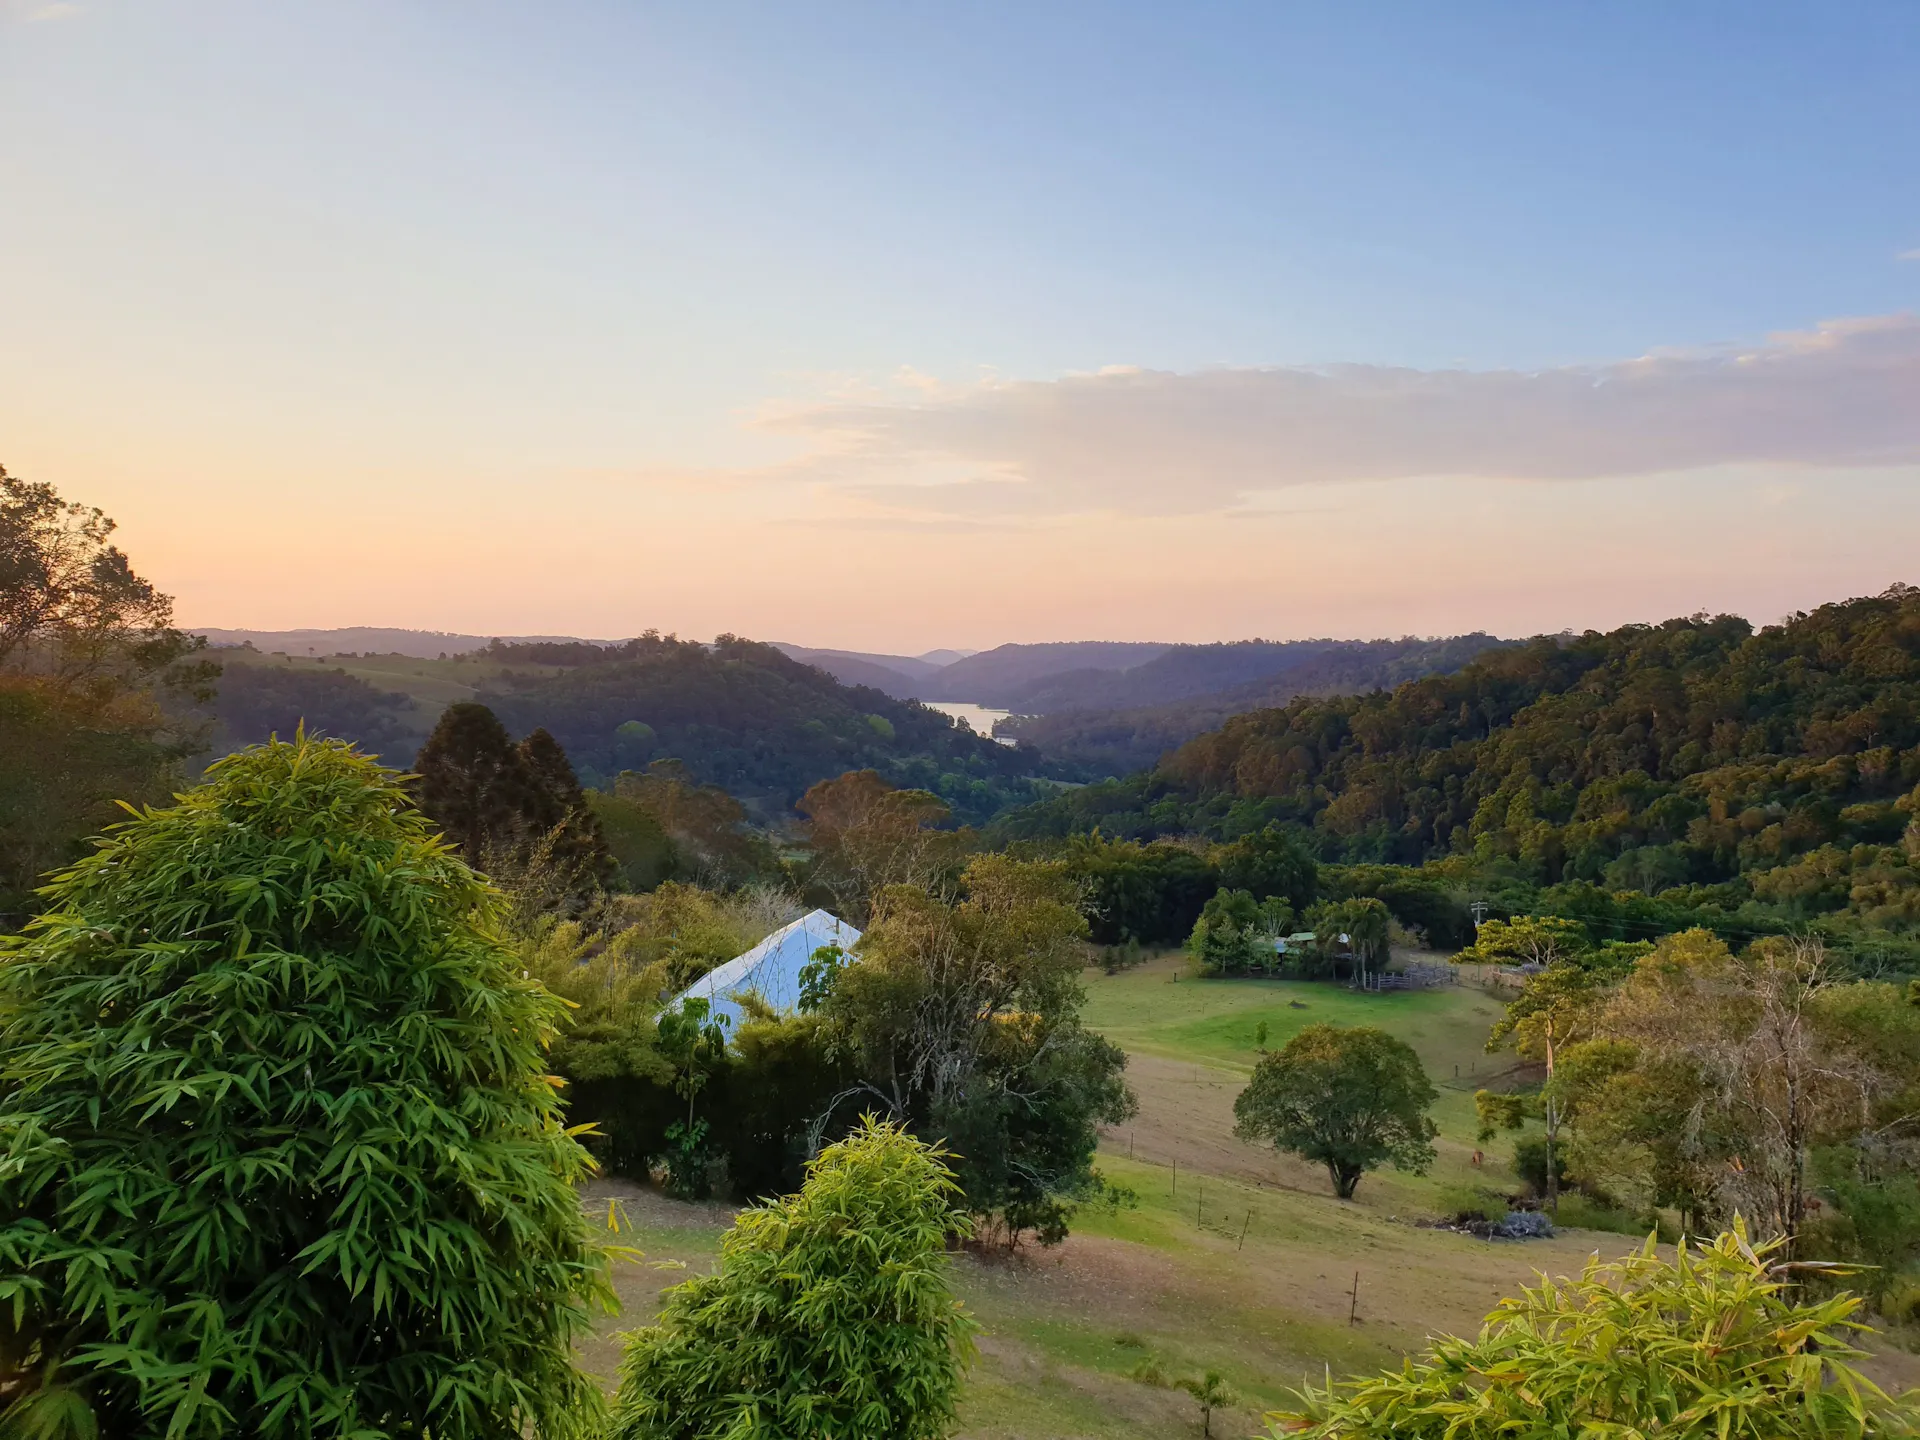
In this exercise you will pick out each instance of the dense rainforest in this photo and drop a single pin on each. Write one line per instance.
(1770, 771)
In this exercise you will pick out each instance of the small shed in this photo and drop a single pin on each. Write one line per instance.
(770, 969)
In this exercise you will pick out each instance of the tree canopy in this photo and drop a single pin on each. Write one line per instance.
(88, 654)
(1350, 1099)
(282, 1157)
(1766, 773)
(964, 1016)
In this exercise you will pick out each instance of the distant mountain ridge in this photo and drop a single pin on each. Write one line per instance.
(996, 677)
(1178, 672)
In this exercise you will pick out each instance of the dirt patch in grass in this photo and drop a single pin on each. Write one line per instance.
(1186, 1119)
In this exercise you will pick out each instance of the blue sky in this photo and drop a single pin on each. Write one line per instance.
(473, 280)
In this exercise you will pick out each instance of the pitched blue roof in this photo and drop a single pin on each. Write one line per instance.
(770, 969)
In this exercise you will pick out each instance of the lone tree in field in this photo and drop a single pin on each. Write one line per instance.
(280, 1154)
(829, 1318)
(1351, 1100)
(1716, 1342)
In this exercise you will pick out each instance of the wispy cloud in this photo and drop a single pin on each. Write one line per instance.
(1155, 442)
(1913, 254)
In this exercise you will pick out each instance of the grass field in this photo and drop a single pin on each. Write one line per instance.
(1233, 1258)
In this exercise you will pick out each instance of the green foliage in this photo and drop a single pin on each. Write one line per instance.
(663, 1089)
(1114, 722)
(1530, 1164)
(1364, 922)
(1230, 937)
(1211, 1392)
(829, 1316)
(1711, 1345)
(662, 826)
(281, 1157)
(1761, 779)
(474, 787)
(1432, 904)
(1349, 1099)
(515, 811)
(1526, 940)
(88, 655)
(1149, 893)
(694, 1042)
(1269, 864)
(1876, 1214)
(1712, 1076)
(865, 835)
(64, 762)
(963, 1019)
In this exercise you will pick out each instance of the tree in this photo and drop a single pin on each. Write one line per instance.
(88, 650)
(664, 827)
(572, 844)
(1541, 940)
(965, 1018)
(1229, 936)
(515, 811)
(1363, 921)
(1556, 1008)
(1756, 1065)
(830, 1314)
(694, 1042)
(1149, 893)
(1349, 1099)
(1713, 1343)
(72, 610)
(283, 1159)
(475, 786)
(867, 836)
(1269, 864)
(1211, 1392)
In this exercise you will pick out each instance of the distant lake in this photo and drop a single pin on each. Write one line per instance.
(977, 718)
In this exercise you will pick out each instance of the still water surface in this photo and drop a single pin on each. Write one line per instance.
(978, 718)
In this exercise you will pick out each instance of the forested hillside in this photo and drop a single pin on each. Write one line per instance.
(260, 699)
(1115, 741)
(1697, 759)
(743, 716)
(996, 677)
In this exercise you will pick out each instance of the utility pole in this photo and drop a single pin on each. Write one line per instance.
(1479, 908)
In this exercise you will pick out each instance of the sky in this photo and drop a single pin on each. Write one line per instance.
(890, 326)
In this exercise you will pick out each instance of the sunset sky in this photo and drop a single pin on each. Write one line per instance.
(899, 326)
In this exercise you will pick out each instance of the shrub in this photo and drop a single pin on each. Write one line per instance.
(1710, 1344)
(830, 1314)
(280, 1154)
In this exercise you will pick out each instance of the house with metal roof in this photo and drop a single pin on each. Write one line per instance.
(770, 969)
